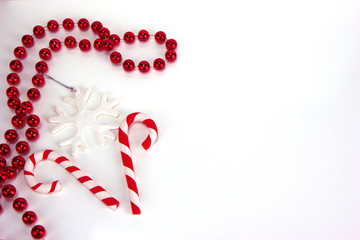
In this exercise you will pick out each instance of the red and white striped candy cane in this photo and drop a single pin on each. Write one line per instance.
(55, 186)
(126, 153)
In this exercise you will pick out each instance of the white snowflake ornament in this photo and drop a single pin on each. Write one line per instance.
(85, 119)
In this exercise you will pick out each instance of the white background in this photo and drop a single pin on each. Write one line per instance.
(258, 120)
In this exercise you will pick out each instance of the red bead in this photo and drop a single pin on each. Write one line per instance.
(11, 135)
(27, 40)
(171, 44)
(108, 45)
(10, 172)
(53, 26)
(33, 120)
(98, 44)
(8, 191)
(13, 79)
(13, 102)
(68, 24)
(16, 65)
(84, 45)
(22, 147)
(170, 55)
(83, 24)
(95, 26)
(129, 37)
(55, 44)
(39, 31)
(115, 38)
(29, 217)
(2, 163)
(70, 42)
(45, 54)
(103, 33)
(18, 121)
(21, 110)
(20, 52)
(160, 37)
(33, 94)
(41, 67)
(159, 64)
(128, 65)
(38, 232)
(32, 134)
(18, 162)
(12, 92)
(4, 149)
(19, 204)
(115, 57)
(38, 80)
(29, 106)
(144, 66)
(143, 35)
(2, 176)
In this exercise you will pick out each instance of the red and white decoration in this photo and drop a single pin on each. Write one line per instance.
(126, 153)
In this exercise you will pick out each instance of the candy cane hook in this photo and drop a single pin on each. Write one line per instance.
(55, 186)
(126, 153)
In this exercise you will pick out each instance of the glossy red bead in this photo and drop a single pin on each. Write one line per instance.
(70, 42)
(27, 40)
(85, 45)
(129, 37)
(115, 57)
(160, 37)
(53, 26)
(13, 79)
(143, 35)
(22, 147)
(20, 52)
(68, 24)
(29, 217)
(2, 176)
(39, 31)
(2, 163)
(41, 67)
(16, 65)
(21, 110)
(10, 172)
(38, 80)
(18, 162)
(159, 64)
(32, 134)
(103, 33)
(170, 55)
(98, 44)
(45, 54)
(29, 106)
(18, 121)
(33, 94)
(108, 45)
(12, 92)
(144, 66)
(38, 232)
(95, 26)
(4, 149)
(115, 38)
(83, 24)
(55, 44)
(13, 102)
(20, 204)
(128, 65)
(33, 120)
(171, 44)
(11, 135)
(8, 191)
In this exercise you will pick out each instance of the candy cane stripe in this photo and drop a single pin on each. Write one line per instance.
(126, 153)
(55, 186)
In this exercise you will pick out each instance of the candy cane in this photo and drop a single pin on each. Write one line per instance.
(55, 186)
(126, 153)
